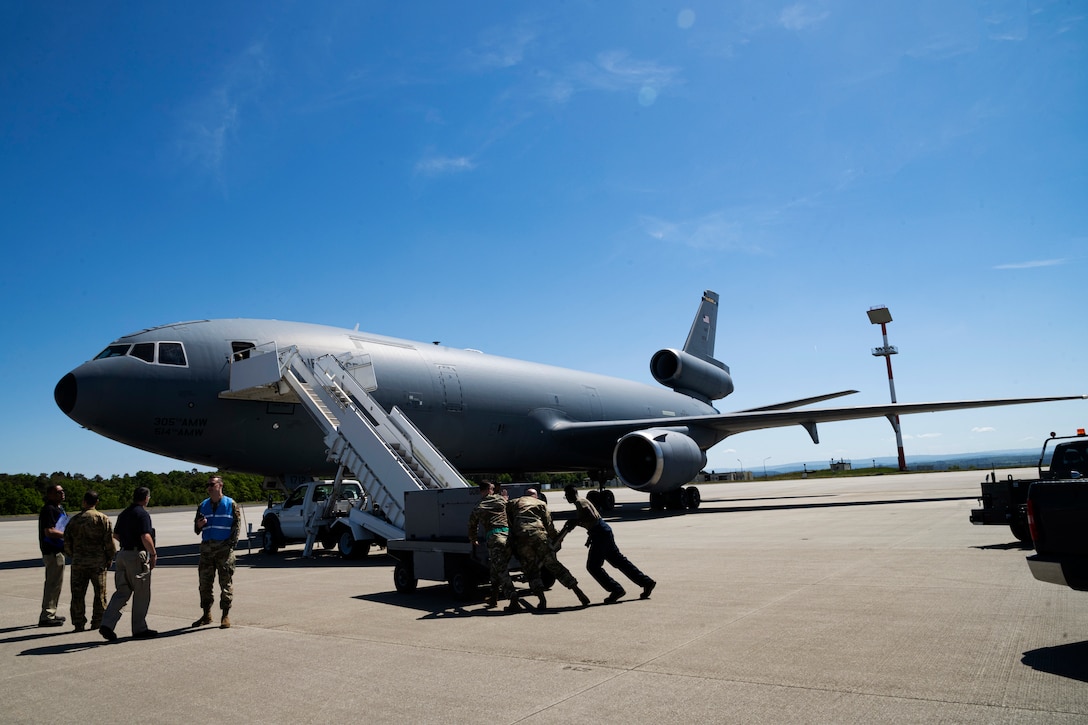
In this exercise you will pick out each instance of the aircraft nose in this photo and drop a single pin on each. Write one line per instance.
(65, 394)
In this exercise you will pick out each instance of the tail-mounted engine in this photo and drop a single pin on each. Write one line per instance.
(703, 379)
(657, 460)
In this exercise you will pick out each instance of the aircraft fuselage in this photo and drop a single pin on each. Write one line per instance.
(485, 413)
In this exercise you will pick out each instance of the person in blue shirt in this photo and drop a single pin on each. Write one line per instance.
(219, 522)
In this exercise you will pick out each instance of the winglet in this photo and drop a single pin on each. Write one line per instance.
(700, 341)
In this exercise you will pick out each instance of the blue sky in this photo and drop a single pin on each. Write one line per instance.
(560, 184)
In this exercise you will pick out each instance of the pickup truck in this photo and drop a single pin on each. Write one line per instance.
(308, 508)
(1004, 502)
(1057, 514)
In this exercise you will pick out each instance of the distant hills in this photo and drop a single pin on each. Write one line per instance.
(1028, 457)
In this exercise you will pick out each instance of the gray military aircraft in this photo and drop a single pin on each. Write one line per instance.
(166, 390)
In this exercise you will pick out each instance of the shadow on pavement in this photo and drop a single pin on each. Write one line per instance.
(1064, 660)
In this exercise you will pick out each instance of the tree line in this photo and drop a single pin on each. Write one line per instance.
(24, 493)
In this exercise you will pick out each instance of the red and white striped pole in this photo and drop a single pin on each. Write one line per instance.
(882, 316)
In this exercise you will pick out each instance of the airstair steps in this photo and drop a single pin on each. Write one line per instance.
(385, 452)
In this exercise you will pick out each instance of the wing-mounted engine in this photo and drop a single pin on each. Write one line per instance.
(657, 460)
(703, 379)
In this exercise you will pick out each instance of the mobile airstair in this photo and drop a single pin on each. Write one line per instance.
(384, 452)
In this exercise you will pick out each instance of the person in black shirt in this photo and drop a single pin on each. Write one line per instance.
(135, 560)
(602, 548)
(51, 523)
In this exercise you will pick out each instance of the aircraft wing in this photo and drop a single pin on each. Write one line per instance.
(727, 424)
(799, 403)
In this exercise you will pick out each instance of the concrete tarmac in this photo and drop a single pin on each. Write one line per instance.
(849, 600)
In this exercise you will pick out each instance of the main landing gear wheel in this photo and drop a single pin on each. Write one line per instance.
(602, 499)
(692, 498)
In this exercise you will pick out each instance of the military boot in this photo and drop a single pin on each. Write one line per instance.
(206, 619)
(225, 622)
(581, 596)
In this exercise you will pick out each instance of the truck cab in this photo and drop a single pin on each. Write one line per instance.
(1069, 462)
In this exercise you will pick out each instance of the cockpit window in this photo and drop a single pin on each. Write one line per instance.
(171, 353)
(113, 351)
(143, 350)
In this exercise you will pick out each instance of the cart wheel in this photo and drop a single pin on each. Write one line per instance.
(547, 578)
(462, 583)
(404, 578)
(350, 548)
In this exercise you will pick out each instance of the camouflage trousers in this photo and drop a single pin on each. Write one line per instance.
(82, 576)
(498, 560)
(216, 556)
(534, 553)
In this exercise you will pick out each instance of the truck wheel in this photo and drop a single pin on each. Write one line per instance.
(272, 535)
(1021, 531)
(350, 548)
(404, 579)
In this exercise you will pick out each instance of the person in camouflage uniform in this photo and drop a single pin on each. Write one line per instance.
(219, 522)
(491, 512)
(534, 534)
(88, 542)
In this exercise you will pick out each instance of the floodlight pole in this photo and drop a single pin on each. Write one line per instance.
(881, 316)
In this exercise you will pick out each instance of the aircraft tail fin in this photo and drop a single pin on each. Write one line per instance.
(694, 371)
(700, 342)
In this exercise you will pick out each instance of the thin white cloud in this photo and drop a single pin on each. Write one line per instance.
(1032, 264)
(713, 231)
(444, 165)
(1006, 21)
(212, 121)
(503, 47)
(613, 71)
(800, 16)
(983, 429)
